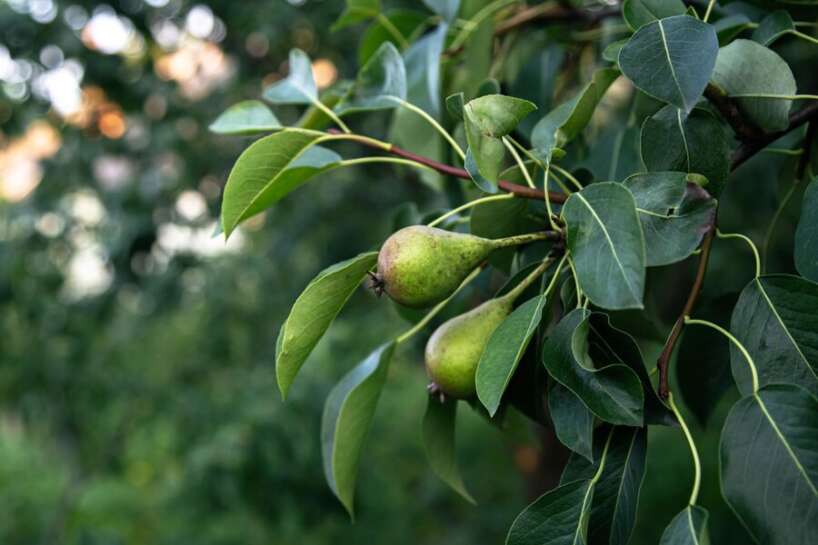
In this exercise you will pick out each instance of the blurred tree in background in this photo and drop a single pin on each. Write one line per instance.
(138, 402)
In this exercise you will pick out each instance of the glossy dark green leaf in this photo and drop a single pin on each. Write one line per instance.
(422, 61)
(747, 67)
(505, 347)
(806, 235)
(607, 246)
(612, 345)
(675, 214)
(445, 8)
(439, 443)
(348, 413)
(776, 320)
(687, 528)
(246, 118)
(638, 13)
(357, 11)
(559, 517)
(314, 311)
(671, 59)
(573, 422)
(381, 83)
(616, 495)
(612, 392)
(769, 464)
(696, 144)
(269, 169)
(569, 119)
(773, 26)
(299, 85)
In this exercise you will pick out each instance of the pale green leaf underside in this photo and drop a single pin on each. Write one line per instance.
(314, 311)
(747, 67)
(246, 118)
(638, 13)
(298, 87)
(348, 413)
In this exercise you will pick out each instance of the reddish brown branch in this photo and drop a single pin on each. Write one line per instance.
(670, 343)
(729, 110)
(748, 149)
(449, 170)
(517, 189)
(554, 13)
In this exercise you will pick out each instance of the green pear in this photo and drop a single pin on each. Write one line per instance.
(420, 266)
(454, 349)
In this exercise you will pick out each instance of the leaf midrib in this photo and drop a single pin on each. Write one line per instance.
(610, 243)
(670, 62)
(784, 327)
(784, 442)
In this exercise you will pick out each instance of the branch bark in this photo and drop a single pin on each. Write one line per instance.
(521, 191)
(554, 13)
(729, 110)
(742, 154)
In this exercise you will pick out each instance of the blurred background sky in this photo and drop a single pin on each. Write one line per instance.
(137, 393)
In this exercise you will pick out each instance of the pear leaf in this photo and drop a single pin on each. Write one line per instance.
(246, 118)
(671, 59)
(298, 87)
(439, 443)
(314, 311)
(348, 413)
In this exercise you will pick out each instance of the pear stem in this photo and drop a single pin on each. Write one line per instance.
(437, 308)
(517, 290)
(529, 237)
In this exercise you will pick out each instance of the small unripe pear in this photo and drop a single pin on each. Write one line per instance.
(420, 266)
(454, 349)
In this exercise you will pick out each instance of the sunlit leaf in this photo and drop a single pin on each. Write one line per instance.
(299, 85)
(268, 170)
(314, 311)
(246, 118)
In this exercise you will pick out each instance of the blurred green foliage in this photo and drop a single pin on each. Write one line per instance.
(147, 412)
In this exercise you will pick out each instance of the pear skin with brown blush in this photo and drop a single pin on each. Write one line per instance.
(420, 266)
(454, 349)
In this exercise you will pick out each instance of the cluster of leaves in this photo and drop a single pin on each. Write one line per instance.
(705, 99)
